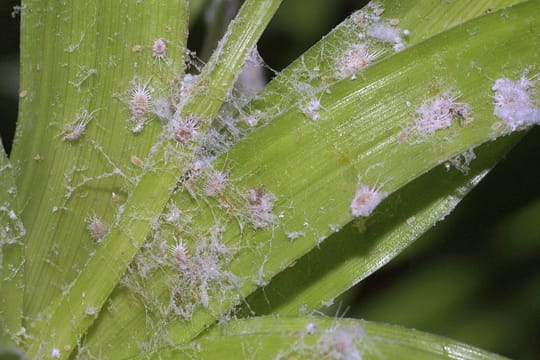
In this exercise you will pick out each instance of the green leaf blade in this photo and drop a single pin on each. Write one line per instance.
(365, 120)
(135, 221)
(362, 247)
(96, 56)
(12, 236)
(315, 337)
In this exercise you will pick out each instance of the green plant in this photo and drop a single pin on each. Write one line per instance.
(154, 202)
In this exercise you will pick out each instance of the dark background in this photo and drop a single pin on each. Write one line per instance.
(474, 277)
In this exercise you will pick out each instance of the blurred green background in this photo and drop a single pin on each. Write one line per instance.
(475, 277)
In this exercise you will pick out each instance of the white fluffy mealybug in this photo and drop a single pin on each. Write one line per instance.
(311, 328)
(355, 59)
(180, 255)
(365, 200)
(96, 228)
(341, 343)
(140, 102)
(253, 118)
(387, 34)
(139, 105)
(136, 161)
(185, 129)
(74, 132)
(311, 109)
(76, 129)
(162, 108)
(138, 127)
(55, 353)
(513, 102)
(187, 86)
(173, 215)
(252, 78)
(260, 206)
(159, 49)
(437, 113)
(215, 183)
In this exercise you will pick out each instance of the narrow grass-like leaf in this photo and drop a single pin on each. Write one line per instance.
(81, 63)
(312, 338)
(423, 20)
(361, 136)
(370, 121)
(218, 75)
(316, 69)
(362, 247)
(12, 234)
(68, 317)
(360, 133)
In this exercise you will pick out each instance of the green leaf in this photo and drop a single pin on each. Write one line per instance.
(284, 298)
(360, 133)
(81, 62)
(363, 247)
(365, 120)
(219, 74)
(12, 233)
(70, 55)
(315, 337)
(361, 126)
(67, 318)
(315, 70)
